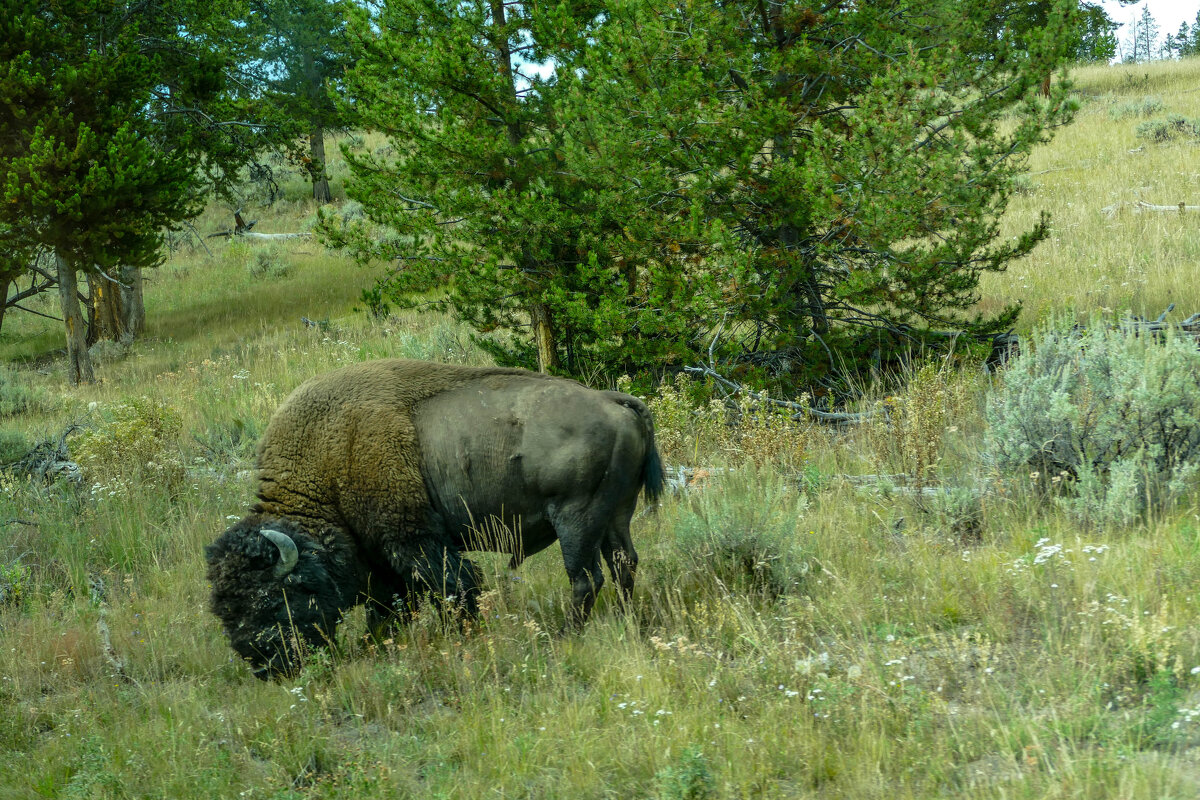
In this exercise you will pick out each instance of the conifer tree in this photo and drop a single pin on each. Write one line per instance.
(478, 195)
(1143, 37)
(819, 183)
(848, 155)
(83, 173)
(302, 53)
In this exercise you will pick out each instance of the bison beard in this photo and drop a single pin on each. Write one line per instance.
(374, 478)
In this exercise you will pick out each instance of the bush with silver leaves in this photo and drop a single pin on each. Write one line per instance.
(1109, 417)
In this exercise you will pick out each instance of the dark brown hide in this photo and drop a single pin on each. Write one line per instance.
(399, 466)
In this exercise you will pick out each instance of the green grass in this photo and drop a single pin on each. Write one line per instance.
(846, 639)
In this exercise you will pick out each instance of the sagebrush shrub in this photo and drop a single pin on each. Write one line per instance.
(270, 262)
(743, 529)
(1169, 129)
(1145, 107)
(134, 441)
(17, 396)
(13, 445)
(1109, 415)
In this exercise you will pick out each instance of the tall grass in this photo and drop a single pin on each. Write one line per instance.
(794, 632)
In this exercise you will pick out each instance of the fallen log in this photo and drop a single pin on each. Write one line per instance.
(242, 230)
(1142, 207)
(259, 236)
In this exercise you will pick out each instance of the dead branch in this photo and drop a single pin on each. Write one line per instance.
(97, 595)
(734, 389)
(1142, 206)
(199, 238)
(49, 460)
(274, 236)
(258, 236)
(680, 479)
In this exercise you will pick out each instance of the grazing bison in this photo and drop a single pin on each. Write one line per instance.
(373, 478)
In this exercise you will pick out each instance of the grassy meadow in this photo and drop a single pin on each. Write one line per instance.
(800, 628)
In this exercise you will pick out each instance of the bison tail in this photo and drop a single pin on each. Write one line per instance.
(652, 473)
(653, 478)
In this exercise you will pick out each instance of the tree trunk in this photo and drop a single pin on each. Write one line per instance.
(104, 312)
(79, 363)
(320, 178)
(133, 302)
(117, 311)
(5, 283)
(543, 337)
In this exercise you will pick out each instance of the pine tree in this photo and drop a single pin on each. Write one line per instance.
(1183, 40)
(1143, 37)
(813, 186)
(1096, 34)
(477, 194)
(302, 55)
(853, 191)
(81, 172)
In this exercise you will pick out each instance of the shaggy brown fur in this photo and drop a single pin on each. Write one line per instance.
(380, 473)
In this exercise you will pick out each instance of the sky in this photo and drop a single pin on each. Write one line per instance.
(1167, 13)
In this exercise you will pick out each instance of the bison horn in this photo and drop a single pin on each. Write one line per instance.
(288, 553)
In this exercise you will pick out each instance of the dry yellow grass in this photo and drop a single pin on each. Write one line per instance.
(1124, 262)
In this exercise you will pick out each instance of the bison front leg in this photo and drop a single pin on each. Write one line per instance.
(389, 603)
(442, 570)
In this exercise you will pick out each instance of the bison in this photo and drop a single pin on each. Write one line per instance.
(374, 478)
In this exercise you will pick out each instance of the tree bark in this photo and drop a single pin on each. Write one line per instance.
(133, 301)
(320, 178)
(104, 312)
(118, 312)
(543, 337)
(5, 283)
(79, 363)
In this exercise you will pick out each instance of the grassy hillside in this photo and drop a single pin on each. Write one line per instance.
(794, 633)
(1124, 261)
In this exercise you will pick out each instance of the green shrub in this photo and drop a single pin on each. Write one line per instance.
(15, 583)
(1108, 418)
(1169, 129)
(742, 530)
(689, 778)
(138, 440)
(13, 446)
(268, 262)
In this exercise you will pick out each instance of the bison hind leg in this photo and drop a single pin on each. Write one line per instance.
(619, 553)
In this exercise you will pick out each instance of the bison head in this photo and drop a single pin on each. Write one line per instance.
(273, 593)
